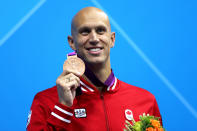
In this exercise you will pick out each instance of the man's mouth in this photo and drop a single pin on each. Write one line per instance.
(94, 50)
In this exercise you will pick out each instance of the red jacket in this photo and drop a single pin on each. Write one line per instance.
(92, 110)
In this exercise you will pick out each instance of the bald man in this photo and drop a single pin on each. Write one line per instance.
(97, 100)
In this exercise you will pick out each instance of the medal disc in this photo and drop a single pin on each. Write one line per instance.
(74, 65)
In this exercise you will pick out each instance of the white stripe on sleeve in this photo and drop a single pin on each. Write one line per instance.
(65, 112)
(61, 118)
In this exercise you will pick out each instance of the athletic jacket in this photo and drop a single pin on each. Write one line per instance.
(92, 110)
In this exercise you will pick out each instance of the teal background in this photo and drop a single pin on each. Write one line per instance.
(32, 56)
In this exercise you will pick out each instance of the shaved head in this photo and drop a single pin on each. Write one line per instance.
(88, 14)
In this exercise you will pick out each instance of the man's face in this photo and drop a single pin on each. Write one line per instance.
(92, 37)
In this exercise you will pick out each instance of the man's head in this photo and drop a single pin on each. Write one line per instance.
(91, 35)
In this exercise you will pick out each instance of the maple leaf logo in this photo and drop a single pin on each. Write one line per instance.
(128, 112)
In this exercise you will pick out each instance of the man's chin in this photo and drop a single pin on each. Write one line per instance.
(95, 62)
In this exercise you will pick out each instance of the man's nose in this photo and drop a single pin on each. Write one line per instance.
(93, 38)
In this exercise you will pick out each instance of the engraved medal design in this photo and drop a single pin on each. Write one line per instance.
(74, 65)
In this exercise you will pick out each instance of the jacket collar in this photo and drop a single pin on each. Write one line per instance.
(85, 87)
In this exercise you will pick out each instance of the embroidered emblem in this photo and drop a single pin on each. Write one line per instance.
(128, 114)
(29, 118)
(80, 113)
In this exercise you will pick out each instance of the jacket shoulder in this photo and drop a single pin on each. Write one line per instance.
(49, 94)
(134, 90)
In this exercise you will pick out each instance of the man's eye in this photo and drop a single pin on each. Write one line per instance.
(85, 32)
(101, 30)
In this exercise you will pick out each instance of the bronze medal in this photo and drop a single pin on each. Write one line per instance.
(75, 65)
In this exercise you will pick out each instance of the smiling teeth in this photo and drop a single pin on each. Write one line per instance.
(95, 49)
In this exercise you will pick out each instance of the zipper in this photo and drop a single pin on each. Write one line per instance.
(105, 111)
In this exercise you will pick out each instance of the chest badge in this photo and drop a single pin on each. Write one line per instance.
(128, 114)
(80, 113)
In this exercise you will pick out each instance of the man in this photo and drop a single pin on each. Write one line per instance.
(96, 101)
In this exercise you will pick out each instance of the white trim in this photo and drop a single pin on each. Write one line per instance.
(61, 118)
(113, 87)
(83, 89)
(29, 118)
(86, 86)
(65, 112)
(108, 88)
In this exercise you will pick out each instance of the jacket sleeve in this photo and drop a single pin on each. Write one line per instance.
(42, 118)
(156, 111)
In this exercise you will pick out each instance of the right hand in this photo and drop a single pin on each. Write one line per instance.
(67, 84)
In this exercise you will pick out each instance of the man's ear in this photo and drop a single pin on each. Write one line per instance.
(112, 39)
(71, 42)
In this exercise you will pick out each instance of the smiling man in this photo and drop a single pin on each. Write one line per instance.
(92, 39)
(97, 100)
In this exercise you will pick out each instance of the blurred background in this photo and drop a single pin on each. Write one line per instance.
(155, 49)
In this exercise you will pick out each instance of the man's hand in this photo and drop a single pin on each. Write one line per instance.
(67, 84)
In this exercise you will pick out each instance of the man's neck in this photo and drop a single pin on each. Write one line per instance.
(101, 72)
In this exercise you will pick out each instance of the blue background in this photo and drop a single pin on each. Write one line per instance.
(165, 31)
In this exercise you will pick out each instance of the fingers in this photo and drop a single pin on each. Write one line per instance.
(66, 87)
(68, 82)
(67, 78)
(71, 77)
(66, 72)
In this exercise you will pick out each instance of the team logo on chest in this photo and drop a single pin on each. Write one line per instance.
(128, 114)
(80, 113)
